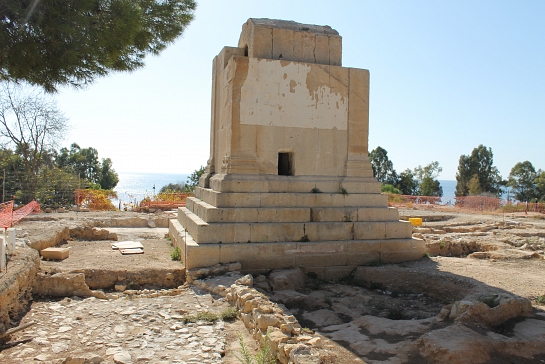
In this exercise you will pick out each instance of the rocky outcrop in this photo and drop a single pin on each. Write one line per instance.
(463, 345)
(489, 310)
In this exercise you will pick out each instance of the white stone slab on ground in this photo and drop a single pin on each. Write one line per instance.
(131, 251)
(127, 245)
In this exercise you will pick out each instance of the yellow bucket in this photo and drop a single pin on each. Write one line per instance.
(416, 221)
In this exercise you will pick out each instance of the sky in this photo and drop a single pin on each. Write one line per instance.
(446, 76)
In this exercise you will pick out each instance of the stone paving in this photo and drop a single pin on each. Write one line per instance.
(145, 328)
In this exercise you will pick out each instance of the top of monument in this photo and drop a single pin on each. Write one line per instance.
(289, 24)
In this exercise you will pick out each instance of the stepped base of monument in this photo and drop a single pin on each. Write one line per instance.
(327, 259)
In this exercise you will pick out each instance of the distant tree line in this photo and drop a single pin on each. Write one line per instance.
(421, 181)
(188, 186)
(476, 175)
(31, 166)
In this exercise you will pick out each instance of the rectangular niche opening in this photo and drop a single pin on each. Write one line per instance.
(284, 164)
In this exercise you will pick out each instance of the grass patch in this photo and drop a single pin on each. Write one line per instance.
(201, 316)
(206, 316)
(304, 239)
(541, 300)
(229, 314)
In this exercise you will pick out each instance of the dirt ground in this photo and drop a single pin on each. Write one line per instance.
(522, 276)
(99, 254)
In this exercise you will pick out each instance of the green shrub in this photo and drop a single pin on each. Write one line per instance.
(176, 254)
(390, 189)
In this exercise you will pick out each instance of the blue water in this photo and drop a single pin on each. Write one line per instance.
(449, 187)
(134, 187)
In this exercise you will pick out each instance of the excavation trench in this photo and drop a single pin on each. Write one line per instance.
(406, 313)
(92, 269)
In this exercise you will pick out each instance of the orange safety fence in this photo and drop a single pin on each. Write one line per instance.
(483, 203)
(474, 203)
(394, 199)
(166, 201)
(9, 216)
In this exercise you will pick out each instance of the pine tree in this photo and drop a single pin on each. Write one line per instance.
(49, 43)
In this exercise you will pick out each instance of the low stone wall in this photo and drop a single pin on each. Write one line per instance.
(134, 221)
(49, 238)
(63, 285)
(152, 278)
(16, 286)
(90, 233)
(289, 342)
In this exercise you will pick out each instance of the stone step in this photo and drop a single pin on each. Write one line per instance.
(321, 257)
(220, 199)
(300, 184)
(228, 233)
(210, 214)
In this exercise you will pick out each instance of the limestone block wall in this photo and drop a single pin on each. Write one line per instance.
(291, 41)
(317, 113)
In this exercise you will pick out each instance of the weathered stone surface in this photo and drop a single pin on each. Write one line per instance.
(287, 279)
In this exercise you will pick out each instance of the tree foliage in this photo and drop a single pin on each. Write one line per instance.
(48, 43)
(390, 189)
(193, 179)
(474, 186)
(173, 188)
(383, 168)
(407, 183)
(479, 163)
(540, 185)
(427, 179)
(31, 126)
(84, 163)
(522, 179)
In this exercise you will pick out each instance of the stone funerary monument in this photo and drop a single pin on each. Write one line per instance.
(289, 182)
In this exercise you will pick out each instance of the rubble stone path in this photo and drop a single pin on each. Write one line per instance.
(123, 330)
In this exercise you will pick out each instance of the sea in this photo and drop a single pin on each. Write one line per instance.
(134, 187)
